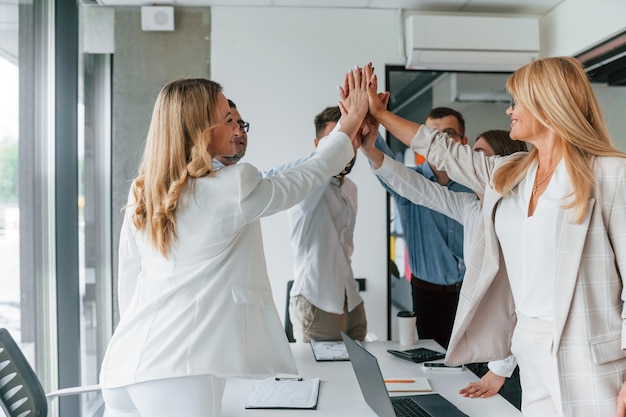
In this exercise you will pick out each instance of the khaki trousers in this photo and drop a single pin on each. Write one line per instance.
(311, 323)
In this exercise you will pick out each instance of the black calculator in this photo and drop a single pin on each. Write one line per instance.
(417, 355)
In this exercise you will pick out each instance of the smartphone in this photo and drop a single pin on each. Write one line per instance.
(440, 366)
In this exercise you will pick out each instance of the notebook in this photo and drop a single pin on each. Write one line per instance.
(372, 386)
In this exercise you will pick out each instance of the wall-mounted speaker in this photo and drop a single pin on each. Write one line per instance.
(157, 18)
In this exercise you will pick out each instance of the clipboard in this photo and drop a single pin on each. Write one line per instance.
(324, 351)
(285, 393)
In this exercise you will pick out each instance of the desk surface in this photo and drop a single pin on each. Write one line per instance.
(340, 393)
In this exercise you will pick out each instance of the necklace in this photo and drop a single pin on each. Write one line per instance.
(537, 184)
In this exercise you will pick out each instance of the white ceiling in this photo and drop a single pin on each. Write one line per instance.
(8, 9)
(525, 7)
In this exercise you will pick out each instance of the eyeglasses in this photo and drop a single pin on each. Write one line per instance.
(244, 126)
(512, 102)
(452, 132)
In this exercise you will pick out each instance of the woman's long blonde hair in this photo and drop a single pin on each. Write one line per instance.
(557, 92)
(177, 148)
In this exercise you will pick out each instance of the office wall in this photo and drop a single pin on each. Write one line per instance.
(576, 25)
(143, 63)
(281, 66)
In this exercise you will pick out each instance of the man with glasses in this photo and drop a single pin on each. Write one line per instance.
(434, 242)
(240, 141)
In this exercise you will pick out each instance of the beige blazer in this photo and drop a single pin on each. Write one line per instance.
(589, 337)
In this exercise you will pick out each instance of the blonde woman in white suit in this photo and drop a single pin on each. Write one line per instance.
(555, 219)
(195, 299)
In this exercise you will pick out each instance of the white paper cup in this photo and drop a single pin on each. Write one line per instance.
(406, 328)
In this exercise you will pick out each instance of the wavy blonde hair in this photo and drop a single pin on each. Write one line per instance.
(557, 92)
(177, 149)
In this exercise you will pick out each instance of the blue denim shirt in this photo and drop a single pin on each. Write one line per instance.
(434, 241)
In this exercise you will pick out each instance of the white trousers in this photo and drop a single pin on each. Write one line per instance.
(532, 346)
(193, 396)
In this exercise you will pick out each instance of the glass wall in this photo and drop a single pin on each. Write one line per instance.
(55, 228)
(480, 97)
(94, 218)
(25, 217)
(27, 296)
(10, 314)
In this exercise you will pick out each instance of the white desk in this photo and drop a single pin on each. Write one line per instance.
(340, 394)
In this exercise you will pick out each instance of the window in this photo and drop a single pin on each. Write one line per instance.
(55, 263)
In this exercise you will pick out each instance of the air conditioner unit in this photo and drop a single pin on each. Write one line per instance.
(470, 43)
(484, 87)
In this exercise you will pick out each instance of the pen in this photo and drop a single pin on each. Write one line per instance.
(295, 378)
(399, 380)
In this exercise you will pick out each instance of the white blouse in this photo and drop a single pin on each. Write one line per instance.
(528, 241)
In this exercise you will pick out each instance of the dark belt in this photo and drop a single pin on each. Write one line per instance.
(424, 285)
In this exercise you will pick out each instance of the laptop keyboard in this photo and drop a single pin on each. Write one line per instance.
(405, 407)
(418, 355)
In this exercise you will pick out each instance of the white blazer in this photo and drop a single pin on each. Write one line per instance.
(590, 262)
(208, 307)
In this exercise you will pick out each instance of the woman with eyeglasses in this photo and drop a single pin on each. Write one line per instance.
(195, 300)
(555, 220)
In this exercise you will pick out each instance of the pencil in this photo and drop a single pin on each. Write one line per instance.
(399, 380)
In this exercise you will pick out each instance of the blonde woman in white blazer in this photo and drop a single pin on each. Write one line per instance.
(195, 299)
(560, 308)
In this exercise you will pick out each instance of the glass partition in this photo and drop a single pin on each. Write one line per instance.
(37, 218)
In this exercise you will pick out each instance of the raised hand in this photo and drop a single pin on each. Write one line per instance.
(369, 134)
(369, 140)
(401, 128)
(353, 102)
(353, 94)
(375, 102)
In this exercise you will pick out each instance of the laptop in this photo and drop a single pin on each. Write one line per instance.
(372, 386)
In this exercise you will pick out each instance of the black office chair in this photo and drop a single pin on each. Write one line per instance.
(288, 326)
(21, 393)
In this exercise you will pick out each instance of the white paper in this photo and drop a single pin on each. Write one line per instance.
(284, 393)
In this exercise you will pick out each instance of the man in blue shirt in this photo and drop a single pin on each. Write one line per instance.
(434, 241)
